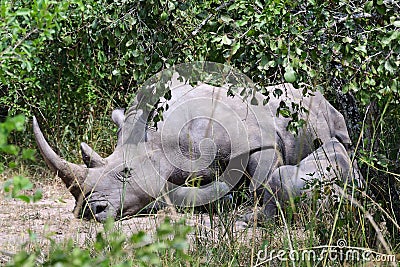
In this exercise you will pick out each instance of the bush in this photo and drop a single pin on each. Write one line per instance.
(112, 248)
(15, 186)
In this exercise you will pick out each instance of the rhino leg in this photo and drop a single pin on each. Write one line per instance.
(271, 193)
(261, 165)
(192, 196)
(327, 163)
(259, 168)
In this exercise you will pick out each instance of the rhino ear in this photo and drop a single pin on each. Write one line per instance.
(90, 157)
(118, 117)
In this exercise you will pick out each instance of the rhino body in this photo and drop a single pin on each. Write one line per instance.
(207, 143)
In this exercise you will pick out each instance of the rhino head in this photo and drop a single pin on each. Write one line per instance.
(136, 173)
(102, 187)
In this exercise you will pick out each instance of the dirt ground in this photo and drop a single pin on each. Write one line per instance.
(33, 225)
(23, 224)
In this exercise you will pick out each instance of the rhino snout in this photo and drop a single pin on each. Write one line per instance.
(99, 210)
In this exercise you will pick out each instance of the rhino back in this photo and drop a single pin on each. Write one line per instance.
(323, 122)
(207, 112)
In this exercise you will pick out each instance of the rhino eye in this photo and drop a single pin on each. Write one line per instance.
(125, 174)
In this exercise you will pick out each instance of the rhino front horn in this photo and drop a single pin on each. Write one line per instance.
(90, 157)
(73, 175)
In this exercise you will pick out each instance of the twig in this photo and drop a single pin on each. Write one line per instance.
(19, 42)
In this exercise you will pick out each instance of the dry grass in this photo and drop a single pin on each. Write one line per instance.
(33, 226)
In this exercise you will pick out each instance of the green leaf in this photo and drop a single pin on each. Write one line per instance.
(396, 23)
(361, 48)
(23, 12)
(135, 53)
(129, 43)
(347, 40)
(241, 23)
(12, 164)
(277, 92)
(235, 47)
(254, 101)
(67, 39)
(22, 183)
(259, 4)
(139, 237)
(19, 183)
(23, 198)
(37, 196)
(225, 40)
(164, 16)
(386, 41)
(226, 19)
(28, 154)
(389, 67)
(290, 75)
(15, 123)
(284, 112)
(10, 149)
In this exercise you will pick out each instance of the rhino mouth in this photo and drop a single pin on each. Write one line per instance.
(95, 207)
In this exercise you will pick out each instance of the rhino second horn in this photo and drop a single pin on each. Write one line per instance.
(90, 157)
(72, 175)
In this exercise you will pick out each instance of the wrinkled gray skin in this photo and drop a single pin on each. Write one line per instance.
(325, 164)
(277, 161)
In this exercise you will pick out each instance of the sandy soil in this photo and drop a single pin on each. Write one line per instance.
(33, 225)
(29, 225)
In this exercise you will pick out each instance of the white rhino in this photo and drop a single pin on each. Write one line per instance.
(207, 143)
